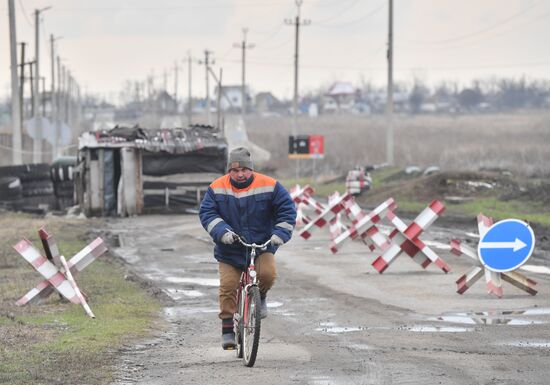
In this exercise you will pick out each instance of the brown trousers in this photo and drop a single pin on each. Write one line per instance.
(230, 277)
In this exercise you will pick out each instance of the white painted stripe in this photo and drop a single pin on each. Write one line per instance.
(379, 240)
(430, 254)
(467, 251)
(31, 254)
(67, 291)
(425, 218)
(391, 253)
(536, 269)
(33, 292)
(77, 260)
(473, 275)
(47, 270)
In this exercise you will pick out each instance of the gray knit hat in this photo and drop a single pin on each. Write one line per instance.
(239, 157)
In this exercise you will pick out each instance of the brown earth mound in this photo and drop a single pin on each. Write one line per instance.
(456, 187)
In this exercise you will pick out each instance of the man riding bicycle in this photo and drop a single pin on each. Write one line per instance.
(256, 207)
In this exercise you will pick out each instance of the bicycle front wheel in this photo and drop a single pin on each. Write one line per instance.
(251, 326)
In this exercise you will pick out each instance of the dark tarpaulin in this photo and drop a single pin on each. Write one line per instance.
(208, 159)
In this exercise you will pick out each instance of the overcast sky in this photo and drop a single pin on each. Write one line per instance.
(105, 42)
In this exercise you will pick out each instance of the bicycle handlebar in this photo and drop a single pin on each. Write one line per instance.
(263, 246)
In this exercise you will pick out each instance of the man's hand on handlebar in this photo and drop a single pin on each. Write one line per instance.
(276, 240)
(236, 237)
(229, 238)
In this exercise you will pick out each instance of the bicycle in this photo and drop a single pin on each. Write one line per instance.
(247, 320)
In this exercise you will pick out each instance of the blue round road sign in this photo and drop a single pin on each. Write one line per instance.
(507, 245)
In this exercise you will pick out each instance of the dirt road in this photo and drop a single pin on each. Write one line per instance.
(333, 319)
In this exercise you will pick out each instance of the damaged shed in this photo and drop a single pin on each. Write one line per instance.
(125, 171)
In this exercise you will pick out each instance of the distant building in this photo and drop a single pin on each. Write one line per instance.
(165, 103)
(339, 97)
(266, 103)
(231, 97)
(378, 99)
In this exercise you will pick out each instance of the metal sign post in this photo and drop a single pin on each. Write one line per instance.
(502, 249)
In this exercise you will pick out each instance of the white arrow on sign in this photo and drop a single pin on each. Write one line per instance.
(516, 245)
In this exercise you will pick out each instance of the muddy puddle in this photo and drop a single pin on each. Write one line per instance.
(435, 329)
(179, 311)
(534, 344)
(522, 317)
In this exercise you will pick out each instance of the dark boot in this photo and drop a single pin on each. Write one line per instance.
(228, 341)
(228, 335)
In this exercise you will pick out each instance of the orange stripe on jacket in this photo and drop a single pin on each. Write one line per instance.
(260, 180)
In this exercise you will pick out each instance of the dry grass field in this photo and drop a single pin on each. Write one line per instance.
(518, 142)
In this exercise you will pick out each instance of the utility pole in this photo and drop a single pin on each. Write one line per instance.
(16, 147)
(37, 144)
(53, 98)
(59, 98)
(176, 70)
(22, 84)
(296, 23)
(244, 46)
(68, 86)
(219, 110)
(31, 84)
(389, 102)
(207, 63)
(220, 94)
(43, 81)
(189, 89)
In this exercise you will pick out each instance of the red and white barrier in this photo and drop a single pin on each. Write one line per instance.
(357, 181)
(302, 197)
(336, 227)
(418, 251)
(406, 239)
(56, 277)
(298, 191)
(75, 287)
(328, 214)
(363, 225)
(493, 279)
(301, 218)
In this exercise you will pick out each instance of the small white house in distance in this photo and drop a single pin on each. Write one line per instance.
(231, 97)
(339, 97)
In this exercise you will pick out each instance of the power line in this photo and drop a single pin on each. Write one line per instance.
(337, 67)
(338, 14)
(278, 46)
(355, 21)
(482, 39)
(480, 31)
(168, 8)
(25, 14)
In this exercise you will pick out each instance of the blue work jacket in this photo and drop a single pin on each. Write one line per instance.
(255, 213)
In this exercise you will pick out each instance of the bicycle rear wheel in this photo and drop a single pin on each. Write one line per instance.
(251, 326)
(239, 335)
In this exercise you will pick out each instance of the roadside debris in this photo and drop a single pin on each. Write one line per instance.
(358, 181)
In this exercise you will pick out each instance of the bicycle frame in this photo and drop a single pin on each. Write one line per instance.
(248, 281)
